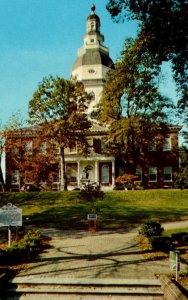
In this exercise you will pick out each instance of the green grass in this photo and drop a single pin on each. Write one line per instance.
(169, 232)
(118, 209)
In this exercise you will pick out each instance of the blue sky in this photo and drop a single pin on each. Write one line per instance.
(41, 37)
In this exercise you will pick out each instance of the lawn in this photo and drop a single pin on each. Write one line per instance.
(118, 209)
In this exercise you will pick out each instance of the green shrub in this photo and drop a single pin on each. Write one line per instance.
(150, 229)
(91, 192)
(185, 240)
(31, 239)
(161, 243)
(182, 179)
(26, 248)
(179, 237)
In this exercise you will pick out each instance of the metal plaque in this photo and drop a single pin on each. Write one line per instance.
(10, 215)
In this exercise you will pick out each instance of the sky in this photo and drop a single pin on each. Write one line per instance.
(39, 38)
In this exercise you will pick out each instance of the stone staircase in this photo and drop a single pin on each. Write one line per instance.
(32, 288)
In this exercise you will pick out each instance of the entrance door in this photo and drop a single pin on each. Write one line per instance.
(105, 173)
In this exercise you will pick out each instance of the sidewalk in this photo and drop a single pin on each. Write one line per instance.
(106, 254)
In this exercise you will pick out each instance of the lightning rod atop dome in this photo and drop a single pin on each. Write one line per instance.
(93, 8)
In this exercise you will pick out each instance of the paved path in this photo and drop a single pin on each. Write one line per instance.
(105, 254)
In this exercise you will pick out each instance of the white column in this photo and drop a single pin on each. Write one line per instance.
(96, 172)
(78, 169)
(113, 173)
(61, 174)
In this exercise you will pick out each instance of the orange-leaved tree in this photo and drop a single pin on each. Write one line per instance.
(58, 108)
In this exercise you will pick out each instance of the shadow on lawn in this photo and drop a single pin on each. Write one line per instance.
(74, 217)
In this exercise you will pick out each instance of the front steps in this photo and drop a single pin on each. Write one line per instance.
(33, 288)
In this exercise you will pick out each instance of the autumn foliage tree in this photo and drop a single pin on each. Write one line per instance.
(58, 108)
(11, 147)
(132, 106)
(2, 149)
(162, 33)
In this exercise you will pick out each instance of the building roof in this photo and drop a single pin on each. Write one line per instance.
(94, 17)
(93, 57)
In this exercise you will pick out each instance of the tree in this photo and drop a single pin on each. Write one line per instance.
(162, 33)
(58, 109)
(132, 106)
(13, 125)
(2, 149)
(182, 176)
(13, 132)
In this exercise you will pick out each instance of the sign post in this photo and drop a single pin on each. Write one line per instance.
(9, 236)
(10, 215)
(92, 222)
(174, 261)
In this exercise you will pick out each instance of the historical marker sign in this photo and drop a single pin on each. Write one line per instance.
(10, 215)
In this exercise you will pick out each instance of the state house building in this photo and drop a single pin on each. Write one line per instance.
(157, 167)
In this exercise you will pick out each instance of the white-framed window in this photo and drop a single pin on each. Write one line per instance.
(72, 172)
(167, 145)
(152, 145)
(72, 149)
(153, 174)
(27, 177)
(55, 182)
(42, 147)
(29, 148)
(167, 173)
(15, 177)
(14, 150)
(55, 178)
(138, 173)
(90, 142)
(105, 176)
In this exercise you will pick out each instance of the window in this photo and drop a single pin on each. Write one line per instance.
(152, 145)
(167, 144)
(97, 145)
(90, 142)
(167, 173)
(152, 174)
(42, 147)
(103, 145)
(92, 25)
(55, 178)
(92, 95)
(14, 150)
(72, 172)
(105, 174)
(15, 177)
(73, 149)
(139, 175)
(28, 177)
(29, 148)
(55, 182)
